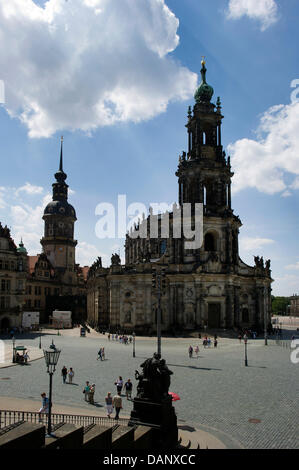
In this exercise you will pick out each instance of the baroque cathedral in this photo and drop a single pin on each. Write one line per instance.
(207, 286)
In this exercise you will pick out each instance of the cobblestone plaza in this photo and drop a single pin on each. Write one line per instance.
(245, 407)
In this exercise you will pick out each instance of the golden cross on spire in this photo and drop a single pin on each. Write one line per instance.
(203, 62)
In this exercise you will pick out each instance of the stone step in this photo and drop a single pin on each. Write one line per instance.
(67, 436)
(22, 435)
(123, 437)
(143, 437)
(97, 437)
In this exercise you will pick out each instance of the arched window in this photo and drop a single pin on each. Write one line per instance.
(210, 244)
(163, 247)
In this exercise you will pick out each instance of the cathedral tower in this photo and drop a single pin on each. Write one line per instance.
(58, 241)
(204, 176)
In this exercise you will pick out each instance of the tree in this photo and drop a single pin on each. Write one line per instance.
(280, 305)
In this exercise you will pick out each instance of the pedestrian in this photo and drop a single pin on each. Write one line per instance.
(240, 338)
(45, 405)
(86, 391)
(92, 390)
(215, 343)
(119, 385)
(71, 375)
(209, 342)
(26, 357)
(196, 350)
(128, 388)
(108, 336)
(190, 351)
(99, 354)
(64, 374)
(103, 354)
(109, 406)
(117, 404)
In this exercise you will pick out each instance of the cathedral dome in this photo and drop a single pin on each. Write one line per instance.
(204, 92)
(60, 207)
(21, 248)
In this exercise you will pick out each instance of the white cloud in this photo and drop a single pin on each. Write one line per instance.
(27, 223)
(293, 266)
(285, 285)
(88, 63)
(30, 189)
(254, 243)
(86, 254)
(264, 163)
(264, 11)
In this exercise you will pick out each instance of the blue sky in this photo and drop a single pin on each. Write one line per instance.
(116, 77)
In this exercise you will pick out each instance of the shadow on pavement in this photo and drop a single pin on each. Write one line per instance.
(193, 367)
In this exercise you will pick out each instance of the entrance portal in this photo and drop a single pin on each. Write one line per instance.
(5, 323)
(214, 313)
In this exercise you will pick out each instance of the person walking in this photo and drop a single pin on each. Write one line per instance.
(196, 350)
(117, 404)
(99, 354)
(109, 405)
(128, 388)
(71, 375)
(64, 374)
(26, 357)
(92, 390)
(103, 354)
(119, 385)
(45, 405)
(215, 343)
(86, 391)
(190, 351)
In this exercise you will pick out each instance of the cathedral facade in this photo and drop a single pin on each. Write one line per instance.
(204, 286)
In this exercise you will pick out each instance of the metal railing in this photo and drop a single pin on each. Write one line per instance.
(8, 417)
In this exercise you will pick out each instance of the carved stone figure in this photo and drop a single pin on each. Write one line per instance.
(115, 260)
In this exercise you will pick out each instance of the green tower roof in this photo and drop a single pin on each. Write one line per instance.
(21, 248)
(204, 92)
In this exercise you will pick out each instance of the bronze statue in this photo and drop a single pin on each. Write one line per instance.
(154, 381)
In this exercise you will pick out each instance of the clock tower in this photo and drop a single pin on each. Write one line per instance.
(58, 241)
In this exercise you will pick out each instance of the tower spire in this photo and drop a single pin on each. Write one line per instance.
(61, 157)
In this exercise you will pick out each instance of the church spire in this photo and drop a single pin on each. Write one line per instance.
(61, 159)
(60, 186)
(60, 175)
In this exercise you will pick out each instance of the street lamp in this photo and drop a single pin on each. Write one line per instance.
(51, 358)
(245, 343)
(13, 349)
(133, 334)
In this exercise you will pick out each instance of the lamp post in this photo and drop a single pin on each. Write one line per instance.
(265, 318)
(133, 334)
(245, 343)
(40, 341)
(13, 350)
(51, 358)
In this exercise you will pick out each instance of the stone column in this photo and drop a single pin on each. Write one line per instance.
(229, 307)
(236, 306)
